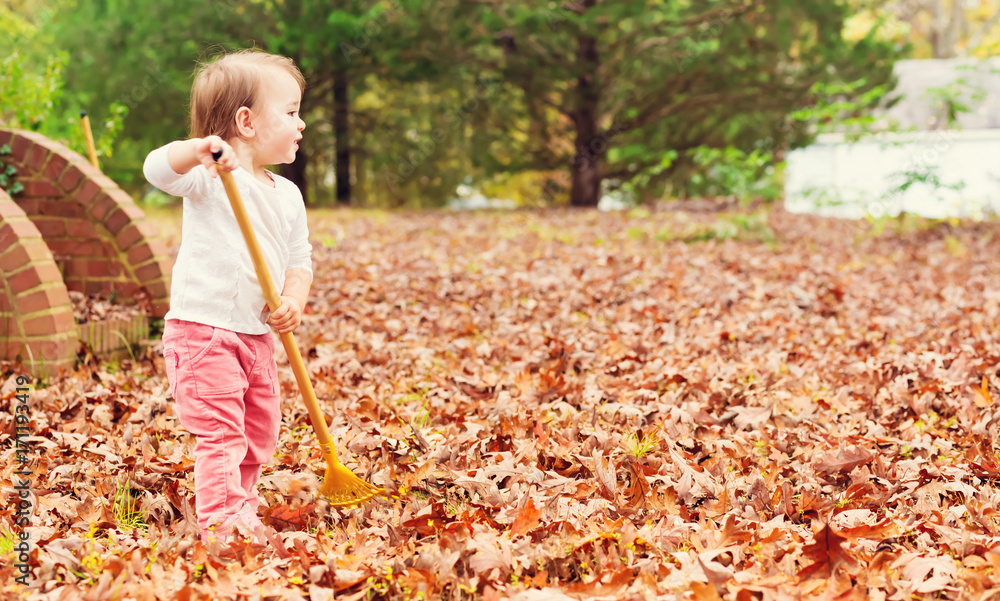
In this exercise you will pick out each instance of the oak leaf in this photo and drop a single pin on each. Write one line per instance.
(827, 552)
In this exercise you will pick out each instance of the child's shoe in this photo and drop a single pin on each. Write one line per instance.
(245, 521)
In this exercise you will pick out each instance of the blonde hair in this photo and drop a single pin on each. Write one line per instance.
(227, 83)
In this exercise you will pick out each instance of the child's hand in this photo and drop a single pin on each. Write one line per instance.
(287, 317)
(204, 149)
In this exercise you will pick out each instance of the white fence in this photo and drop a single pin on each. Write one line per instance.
(943, 173)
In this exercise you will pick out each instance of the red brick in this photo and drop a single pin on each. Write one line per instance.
(74, 284)
(9, 208)
(21, 254)
(74, 248)
(106, 183)
(28, 278)
(80, 228)
(20, 147)
(128, 289)
(38, 250)
(29, 206)
(55, 167)
(49, 323)
(56, 352)
(40, 189)
(7, 239)
(39, 300)
(117, 220)
(128, 237)
(102, 206)
(102, 268)
(136, 255)
(39, 154)
(19, 228)
(14, 259)
(70, 178)
(51, 228)
(60, 208)
(80, 268)
(107, 250)
(159, 248)
(90, 171)
(149, 271)
(63, 151)
(74, 268)
(96, 287)
(87, 192)
(6, 136)
(140, 230)
(158, 289)
(10, 330)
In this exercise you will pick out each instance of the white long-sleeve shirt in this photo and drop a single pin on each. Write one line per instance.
(213, 280)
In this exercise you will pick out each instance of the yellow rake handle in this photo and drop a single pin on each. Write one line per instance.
(89, 137)
(273, 302)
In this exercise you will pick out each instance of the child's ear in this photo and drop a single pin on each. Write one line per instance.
(244, 123)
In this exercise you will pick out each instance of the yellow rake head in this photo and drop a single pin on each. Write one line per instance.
(341, 487)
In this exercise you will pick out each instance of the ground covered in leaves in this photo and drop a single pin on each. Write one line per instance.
(570, 405)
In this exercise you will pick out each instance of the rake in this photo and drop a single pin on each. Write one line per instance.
(340, 485)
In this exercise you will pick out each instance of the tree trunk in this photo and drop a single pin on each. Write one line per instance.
(945, 26)
(360, 178)
(953, 30)
(585, 190)
(341, 133)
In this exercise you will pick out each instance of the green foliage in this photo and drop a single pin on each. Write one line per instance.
(665, 79)
(126, 509)
(28, 98)
(841, 106)
(32, 99)
(746, 227)
(639, 444)
(7, 173)
(962, 95)
(8, 540)
(731, 171)
(682, 99)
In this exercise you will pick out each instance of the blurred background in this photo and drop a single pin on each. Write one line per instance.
(494, 103)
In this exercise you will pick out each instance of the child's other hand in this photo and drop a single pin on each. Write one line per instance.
(227, 162)
(287, 317)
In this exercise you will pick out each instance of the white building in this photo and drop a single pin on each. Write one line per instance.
(933, 168)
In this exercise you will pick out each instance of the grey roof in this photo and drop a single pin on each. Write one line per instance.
(973, 82)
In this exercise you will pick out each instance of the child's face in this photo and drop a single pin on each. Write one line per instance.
(278, 126)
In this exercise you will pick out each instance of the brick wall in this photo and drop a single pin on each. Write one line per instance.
(99, 238)
(36, 318)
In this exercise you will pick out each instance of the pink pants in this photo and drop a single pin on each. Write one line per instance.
(226, 388)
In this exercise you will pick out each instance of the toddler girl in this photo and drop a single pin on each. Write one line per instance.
(218, 350)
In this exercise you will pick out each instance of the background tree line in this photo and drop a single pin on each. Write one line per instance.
(535, 100)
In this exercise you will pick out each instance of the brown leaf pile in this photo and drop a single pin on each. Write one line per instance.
(95, 308)
(575, 405)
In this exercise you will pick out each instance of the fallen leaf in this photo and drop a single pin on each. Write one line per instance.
(827, 553)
